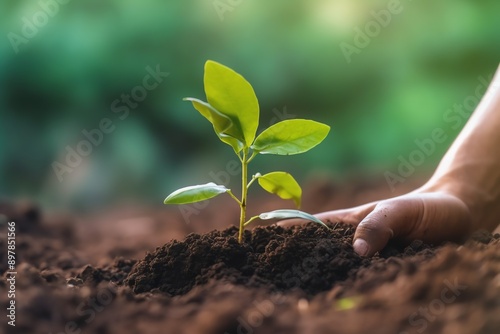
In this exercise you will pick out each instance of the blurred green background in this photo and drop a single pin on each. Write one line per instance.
(64, 78)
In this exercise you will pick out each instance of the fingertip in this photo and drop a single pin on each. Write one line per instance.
(361, 247)
(371, 236)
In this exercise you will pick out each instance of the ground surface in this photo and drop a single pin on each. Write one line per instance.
(94, 276)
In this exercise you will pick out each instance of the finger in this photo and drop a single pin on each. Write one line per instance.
(348, 216)
(388, 218)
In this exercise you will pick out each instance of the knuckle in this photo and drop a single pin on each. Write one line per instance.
(368, 226)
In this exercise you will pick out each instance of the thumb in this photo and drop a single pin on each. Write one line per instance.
(387, 219)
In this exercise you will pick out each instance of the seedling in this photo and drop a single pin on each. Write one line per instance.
(233, 110)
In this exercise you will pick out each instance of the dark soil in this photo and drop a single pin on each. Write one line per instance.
(93, 277)
(309, 258)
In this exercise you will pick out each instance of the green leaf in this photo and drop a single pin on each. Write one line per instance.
(194, 194)
(291, 137)
(287, 214)
(281, 184)
(223, 125)
(347, 303)
(230, 94)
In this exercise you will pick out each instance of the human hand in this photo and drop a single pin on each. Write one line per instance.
(430, 216)
(462, 196)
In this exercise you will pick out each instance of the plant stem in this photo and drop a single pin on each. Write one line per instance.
(255, 177)
(251, 220)
(254, 154)
(230, 193)
(244, 190)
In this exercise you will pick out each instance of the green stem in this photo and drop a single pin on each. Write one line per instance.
(234, 197)
(255, 177)
(254, 154)
(244, 190)
(251, 220)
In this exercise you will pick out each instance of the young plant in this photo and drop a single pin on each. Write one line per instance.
(233, 110)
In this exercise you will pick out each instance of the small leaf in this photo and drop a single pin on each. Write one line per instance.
(230, 94)
(291, 137)
(223, 125)
(281, 184)
(287, 214)
(347, 303)
(194, 194)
